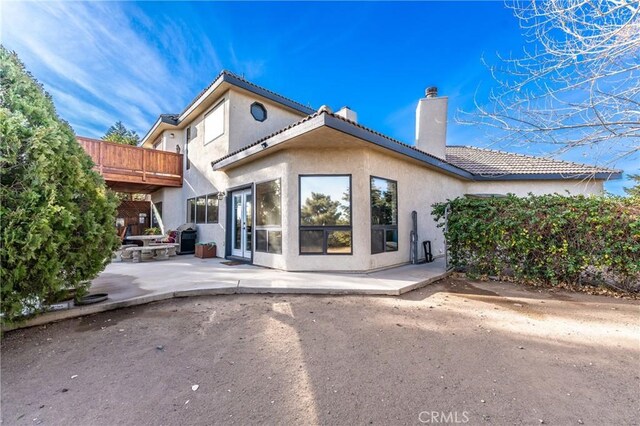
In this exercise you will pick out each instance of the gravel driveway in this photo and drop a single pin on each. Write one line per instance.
(481, 353)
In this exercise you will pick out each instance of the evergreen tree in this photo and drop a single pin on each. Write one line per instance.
(57, 218)
(634, 191)
(320, 209)
(118, 133)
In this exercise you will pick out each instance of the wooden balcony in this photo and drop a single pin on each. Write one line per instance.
(127, 168)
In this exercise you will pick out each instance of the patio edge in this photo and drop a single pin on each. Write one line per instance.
(82, 311)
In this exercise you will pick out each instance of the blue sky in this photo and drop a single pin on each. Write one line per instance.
(109, 61)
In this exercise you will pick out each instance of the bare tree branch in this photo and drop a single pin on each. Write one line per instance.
(575, 85)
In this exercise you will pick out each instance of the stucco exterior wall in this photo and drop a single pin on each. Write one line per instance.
(244, 129)
(537, 187)
(418, 188)
(240, 130)
(173, 209)
(273, 167)
(201, 151)
(198, 180)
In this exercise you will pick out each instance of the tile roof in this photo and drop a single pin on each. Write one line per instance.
(488, 162)
(477, 162)
(259, 141)
(224, 73)
(169, 118)
(316, 114)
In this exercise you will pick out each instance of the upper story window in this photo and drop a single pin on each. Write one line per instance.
(214, 123)
(384, 215)
(325, 214)
(258, 111)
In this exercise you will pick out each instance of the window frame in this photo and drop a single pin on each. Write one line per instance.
(326, 228)
(204, 205)
(206, 197)
(213, 196)
(263, 109)
(193, 213)
(220, 104)
(383, 228)
(269, 229)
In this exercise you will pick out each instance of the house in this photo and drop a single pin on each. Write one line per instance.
(281, 185)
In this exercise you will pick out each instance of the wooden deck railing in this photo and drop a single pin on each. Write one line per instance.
(130, 164)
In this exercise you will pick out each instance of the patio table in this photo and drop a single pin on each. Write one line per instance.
(146, 239)
(146, 242)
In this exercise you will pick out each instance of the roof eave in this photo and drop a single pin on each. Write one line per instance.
(344, 127)
(614, 174)
(212, 88)
(225, 77)
(231, 79)
(156, 126)
(361, 133)
(269, 143)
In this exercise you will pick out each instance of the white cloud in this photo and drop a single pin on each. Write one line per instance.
(250, 69)
(104, 62)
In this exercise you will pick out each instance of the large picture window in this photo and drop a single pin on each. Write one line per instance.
(269, 217)
(325, 214)
(203, 209)
(384, 215)
(214, 123)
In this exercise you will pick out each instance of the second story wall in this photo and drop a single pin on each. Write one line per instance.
(244, 129)
(170, 139)
(209, 131)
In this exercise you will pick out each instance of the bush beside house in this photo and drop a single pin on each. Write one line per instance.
(57, 216)
(549, 238)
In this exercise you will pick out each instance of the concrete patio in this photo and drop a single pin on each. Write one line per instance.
(130, 284)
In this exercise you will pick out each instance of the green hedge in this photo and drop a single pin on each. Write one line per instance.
(549, 238)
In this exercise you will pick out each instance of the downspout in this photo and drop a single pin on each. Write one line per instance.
(414, 238)
(447, 211)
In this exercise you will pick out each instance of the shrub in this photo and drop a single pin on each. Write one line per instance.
(153, 231)
(549, 238)
(57, 217)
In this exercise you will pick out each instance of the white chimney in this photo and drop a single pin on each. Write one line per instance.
(348, 113)
(431, 123)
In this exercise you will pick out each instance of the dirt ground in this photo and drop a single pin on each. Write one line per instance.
(475, 353)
